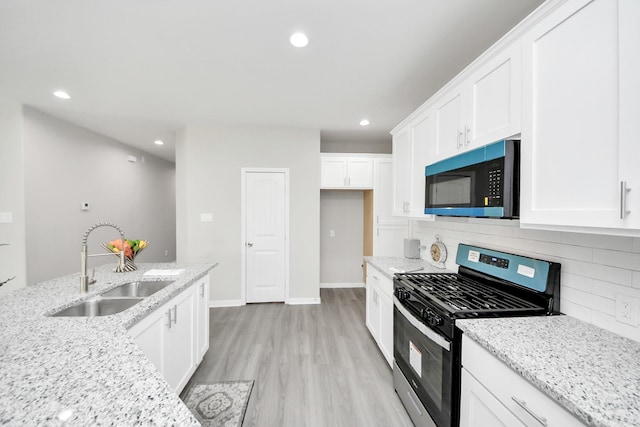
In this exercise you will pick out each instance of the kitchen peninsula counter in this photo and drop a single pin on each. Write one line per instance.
(79, 371)
(593, 373)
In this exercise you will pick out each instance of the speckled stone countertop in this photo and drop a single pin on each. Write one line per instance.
(80, 371)
(593, 373)
(384, 264)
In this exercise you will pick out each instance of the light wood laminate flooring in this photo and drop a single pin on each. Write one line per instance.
(313, 365)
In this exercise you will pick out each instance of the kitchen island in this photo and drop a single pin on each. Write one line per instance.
(79, 371)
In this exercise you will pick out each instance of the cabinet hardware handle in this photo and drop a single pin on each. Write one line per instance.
(377, 219)
(523, 405)
(467, 130)
(249, 244)
(415, 405)
(169, 318)
(375, 277)
(349, 181)
(458, 143)
(623, 199)
(202, 290)
(175, 314)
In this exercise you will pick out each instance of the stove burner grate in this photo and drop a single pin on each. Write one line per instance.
(460, 295)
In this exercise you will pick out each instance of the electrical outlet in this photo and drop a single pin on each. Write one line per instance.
(627, 309)
(332, 233)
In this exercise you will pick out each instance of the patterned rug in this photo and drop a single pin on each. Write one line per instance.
(221, 404)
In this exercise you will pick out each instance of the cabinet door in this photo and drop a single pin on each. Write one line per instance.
(383, 194)
(149, 335)
(422, 137)
(333, 172)
(495, 99)
(449, 133)
(570, 147)
(401, 172)
(386, 327)
(180, 341)
(479, 408)
(388, 240)
(202, 318)
(360, 173)
(629, 36)
(372, 310)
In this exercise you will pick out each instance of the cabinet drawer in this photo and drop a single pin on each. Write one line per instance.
(383, 282)
(519, 396)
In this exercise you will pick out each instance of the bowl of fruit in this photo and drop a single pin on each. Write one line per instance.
(131, 248)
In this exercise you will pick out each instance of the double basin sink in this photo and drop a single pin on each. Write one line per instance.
(116, 300)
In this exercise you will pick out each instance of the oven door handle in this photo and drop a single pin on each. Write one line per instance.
(428, 332)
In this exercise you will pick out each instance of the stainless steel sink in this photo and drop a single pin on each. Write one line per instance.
(138, 289)
(98, 307)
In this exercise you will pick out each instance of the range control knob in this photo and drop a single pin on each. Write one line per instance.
(402, 294)
(435, 320)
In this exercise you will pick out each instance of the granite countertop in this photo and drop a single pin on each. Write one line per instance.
(593, 373)
(79, 371)
(385, 264)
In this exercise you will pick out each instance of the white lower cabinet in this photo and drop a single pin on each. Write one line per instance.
(175, 336)
(492, 394)
(379, 311)
(202, 317)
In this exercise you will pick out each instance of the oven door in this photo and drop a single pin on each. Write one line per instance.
(428, 361)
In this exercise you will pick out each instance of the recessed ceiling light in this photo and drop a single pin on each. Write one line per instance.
(299, 40)
(62, 94)
(364, 122)
(158, 142)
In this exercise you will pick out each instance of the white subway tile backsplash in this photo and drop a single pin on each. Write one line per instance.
(595, 268)
(575, 310)
(598, 241)
(628, 260)
(581, 283)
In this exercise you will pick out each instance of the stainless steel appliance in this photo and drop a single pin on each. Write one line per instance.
(484, 182)
(427, 344)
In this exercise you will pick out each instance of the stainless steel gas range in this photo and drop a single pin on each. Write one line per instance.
(427, 344)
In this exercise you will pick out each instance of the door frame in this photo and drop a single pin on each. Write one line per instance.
(243, 228)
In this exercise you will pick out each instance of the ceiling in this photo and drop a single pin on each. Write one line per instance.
(140, 70)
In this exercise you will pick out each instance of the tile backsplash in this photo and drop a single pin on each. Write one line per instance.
(596, 269)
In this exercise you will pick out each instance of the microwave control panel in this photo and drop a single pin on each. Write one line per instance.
(495, 178)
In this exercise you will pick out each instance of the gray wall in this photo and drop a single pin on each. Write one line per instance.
(12, 257)
(208, 164)
(66, 165)
(341, 257)
(376, 147)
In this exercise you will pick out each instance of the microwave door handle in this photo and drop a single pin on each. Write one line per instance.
(428, 332)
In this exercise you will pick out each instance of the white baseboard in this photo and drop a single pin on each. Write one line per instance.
(342, 285)
(301, 301)
(226, 303)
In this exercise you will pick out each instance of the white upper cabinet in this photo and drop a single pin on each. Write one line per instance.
(482, 108)
(581, 96)
(346, 172)
(412, 151)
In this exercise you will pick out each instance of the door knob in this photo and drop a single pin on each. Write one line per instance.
(249, 244)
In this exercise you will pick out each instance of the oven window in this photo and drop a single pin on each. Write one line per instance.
(426, 365)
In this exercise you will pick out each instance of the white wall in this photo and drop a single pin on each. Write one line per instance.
(341, 257)
(595, 268)
(208, 164)
(66, 165)
(12, 257)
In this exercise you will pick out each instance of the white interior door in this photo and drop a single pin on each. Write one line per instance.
(265, 236)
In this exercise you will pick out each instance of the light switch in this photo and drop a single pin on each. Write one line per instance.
(332, 233)
(206, 217)
(6, 217)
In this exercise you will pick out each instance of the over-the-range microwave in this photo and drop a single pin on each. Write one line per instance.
(484, 182)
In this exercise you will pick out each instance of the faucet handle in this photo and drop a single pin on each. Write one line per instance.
(93, 275)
